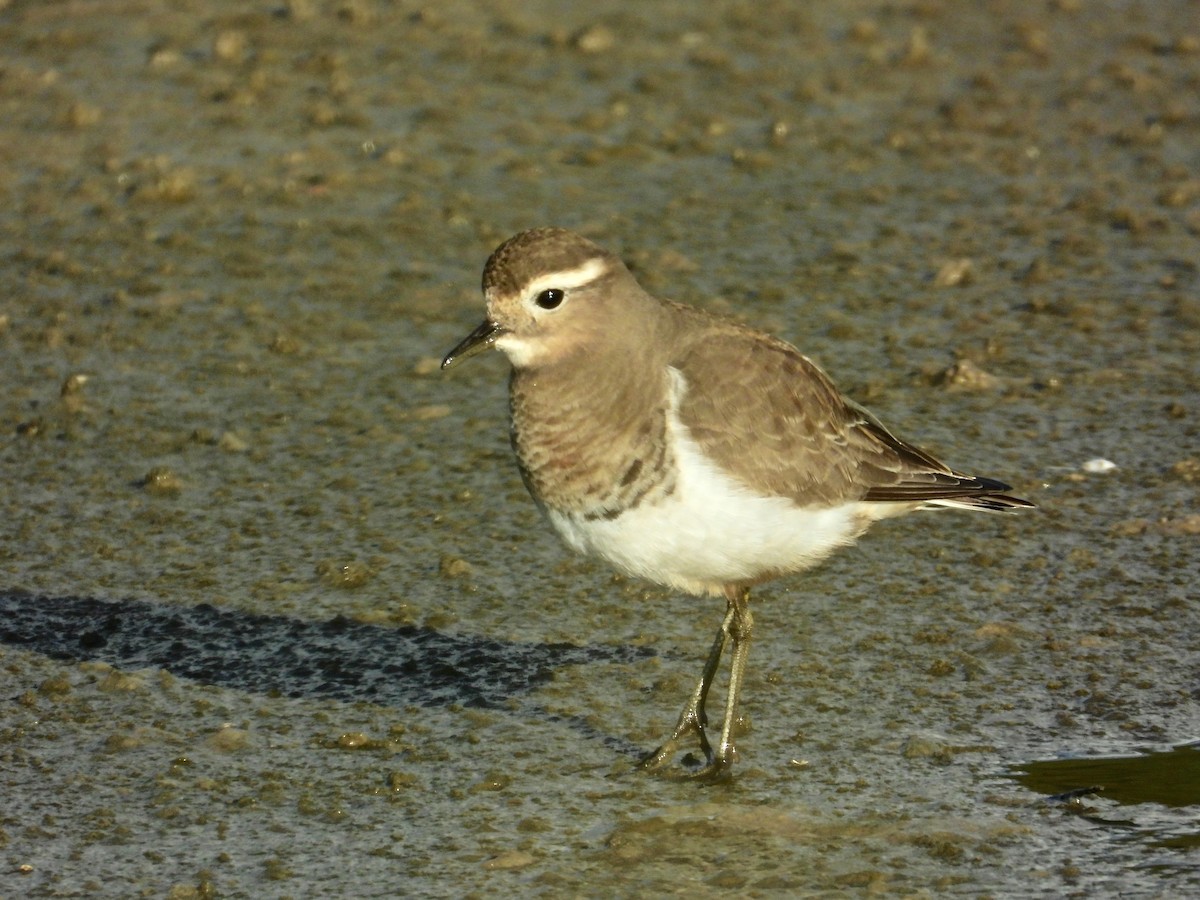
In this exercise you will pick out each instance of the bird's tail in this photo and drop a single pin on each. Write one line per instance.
(951, 490)
(985, 502)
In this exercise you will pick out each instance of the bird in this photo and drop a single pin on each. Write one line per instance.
(688, 449)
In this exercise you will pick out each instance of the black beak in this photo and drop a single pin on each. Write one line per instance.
(475, 342)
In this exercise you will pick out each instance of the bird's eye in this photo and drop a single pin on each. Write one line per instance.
(551, 298)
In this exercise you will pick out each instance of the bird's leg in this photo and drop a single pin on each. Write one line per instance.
(693, 719)
(740, 625)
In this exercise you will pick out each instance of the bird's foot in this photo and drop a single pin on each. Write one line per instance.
(715, 769)
(717, 766)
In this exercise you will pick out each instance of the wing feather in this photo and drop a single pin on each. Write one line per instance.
(770, 417)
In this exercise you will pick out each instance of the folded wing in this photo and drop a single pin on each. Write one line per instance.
(809, 443)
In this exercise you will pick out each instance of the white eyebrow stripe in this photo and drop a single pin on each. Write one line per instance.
(568, 279)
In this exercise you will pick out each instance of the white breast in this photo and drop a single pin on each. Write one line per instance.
(712, 530)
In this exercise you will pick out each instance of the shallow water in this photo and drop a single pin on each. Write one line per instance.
(278, 617)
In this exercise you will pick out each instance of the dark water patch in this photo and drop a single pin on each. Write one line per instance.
(281, 655)
(1150, 801)
(1171, 779)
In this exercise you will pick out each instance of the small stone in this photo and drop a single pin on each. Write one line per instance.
(164, 58)
(492, 781)
(923, 746)
(432, 411)
(284, 345)
(512, 859)
(940, 668)
(964, 375)
(162, 482)
(72, 385)
(120, 741)
(399, 781)
(230, 46)
(231, 443)
(594, 39)
(228, 739)
(120, 682)
(55, 685)
(345, 575)
(1187, 469)
(83, 115)
(357, 740)
(1130, 527)
(1186, 525)
(453, 567)
(864, 31)
(918, 52)
(953, 273)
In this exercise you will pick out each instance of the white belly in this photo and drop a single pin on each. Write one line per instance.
(712, 531)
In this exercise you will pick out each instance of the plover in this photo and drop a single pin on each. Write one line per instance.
(687, 449)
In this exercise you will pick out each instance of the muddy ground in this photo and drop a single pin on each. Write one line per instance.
(276, 615)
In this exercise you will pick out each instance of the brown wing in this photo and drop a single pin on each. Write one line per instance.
(769, 416)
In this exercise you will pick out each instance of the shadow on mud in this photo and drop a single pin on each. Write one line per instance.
(340, 658)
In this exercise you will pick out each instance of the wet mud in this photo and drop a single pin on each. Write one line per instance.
(277, 617)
